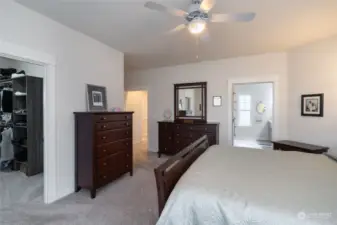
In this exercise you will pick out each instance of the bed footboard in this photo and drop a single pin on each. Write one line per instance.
(168, 174)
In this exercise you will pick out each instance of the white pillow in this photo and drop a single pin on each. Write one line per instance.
(332, 153)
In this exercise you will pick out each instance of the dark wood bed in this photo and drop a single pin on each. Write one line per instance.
(169, 173)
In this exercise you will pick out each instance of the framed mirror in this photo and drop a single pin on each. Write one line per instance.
(190, 102)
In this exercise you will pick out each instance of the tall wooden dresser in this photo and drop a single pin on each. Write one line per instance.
(103, 142)
(174, 137)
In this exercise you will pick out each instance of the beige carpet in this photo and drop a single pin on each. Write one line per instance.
(127, 201)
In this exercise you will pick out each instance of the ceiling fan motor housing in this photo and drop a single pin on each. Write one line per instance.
(194, 11)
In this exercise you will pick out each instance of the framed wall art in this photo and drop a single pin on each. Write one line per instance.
(312, 105)
(96, 98)
(217, 101)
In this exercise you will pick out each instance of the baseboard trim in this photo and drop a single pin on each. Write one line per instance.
(151, 150)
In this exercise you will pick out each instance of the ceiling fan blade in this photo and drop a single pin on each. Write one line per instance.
(235, 17)
(162, 8)
(177, 28)
(207, 5)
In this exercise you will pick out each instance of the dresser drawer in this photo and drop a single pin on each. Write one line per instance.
(165, 144)
(112, 135)
(166, 126)
(113, 125)
(203, 128)
(165, 129)
(181, 143)
(111, 167)
(109, 117)
(189, 134)
(211, 140)
(165, 138)
(114, 147)
(117, 161)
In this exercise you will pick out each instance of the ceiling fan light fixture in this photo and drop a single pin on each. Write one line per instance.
(197, 26)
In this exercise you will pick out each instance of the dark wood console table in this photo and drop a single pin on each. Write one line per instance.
(287, 145)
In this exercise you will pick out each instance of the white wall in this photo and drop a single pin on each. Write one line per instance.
(259, 128)
(313, 69)
(159, 83)
(80, 60)
(6, 63)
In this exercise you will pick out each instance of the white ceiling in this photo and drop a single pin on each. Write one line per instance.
(129, 27)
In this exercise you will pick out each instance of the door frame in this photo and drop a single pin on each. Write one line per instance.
(276, 103)
(21, 53)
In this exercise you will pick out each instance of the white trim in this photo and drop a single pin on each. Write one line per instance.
(276, 103)
(21, 53)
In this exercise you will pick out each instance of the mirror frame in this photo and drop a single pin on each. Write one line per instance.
(191, 119)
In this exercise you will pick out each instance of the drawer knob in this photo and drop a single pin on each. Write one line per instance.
(104, 150)
(103, 118)
(177, 142)
(127, 143)
(205, 128)
(165, 148)
(104, 164)
(104, 177)
(127, 166)
(103, 126)
(127, 124)
(170, 138)
(104, 137)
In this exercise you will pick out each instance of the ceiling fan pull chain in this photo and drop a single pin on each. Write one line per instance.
(197, 44)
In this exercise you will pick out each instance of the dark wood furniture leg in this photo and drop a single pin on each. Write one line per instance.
(169, 173)
(93, 193)
(159, 154)
(78, 188)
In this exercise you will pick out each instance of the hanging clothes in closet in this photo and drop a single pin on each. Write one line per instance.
(6, 95)
(7, 101)
(7, 150)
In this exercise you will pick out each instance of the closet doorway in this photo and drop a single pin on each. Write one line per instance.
(252, 114)
(21, 127)
(137, 101)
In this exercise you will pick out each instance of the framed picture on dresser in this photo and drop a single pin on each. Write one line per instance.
(312, 105)
(96, 98)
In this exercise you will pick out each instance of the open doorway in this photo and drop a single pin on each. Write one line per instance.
(252, 115)
(21, 131)
(137, 101)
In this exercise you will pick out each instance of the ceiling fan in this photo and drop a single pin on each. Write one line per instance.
(197, 16)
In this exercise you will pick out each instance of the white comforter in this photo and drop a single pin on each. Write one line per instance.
(238, 186)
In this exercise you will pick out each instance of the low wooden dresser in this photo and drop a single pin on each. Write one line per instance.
(174, 137)
(103, 142)
(287, 145)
